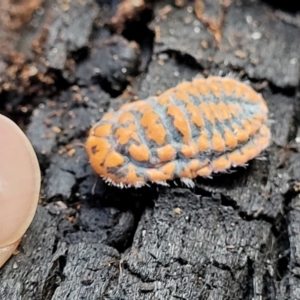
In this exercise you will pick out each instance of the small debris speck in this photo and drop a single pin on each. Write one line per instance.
(178, 211)
(256, 35)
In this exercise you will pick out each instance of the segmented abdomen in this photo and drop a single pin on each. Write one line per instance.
(194, 129)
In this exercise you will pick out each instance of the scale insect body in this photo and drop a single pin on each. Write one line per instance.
(194, 129)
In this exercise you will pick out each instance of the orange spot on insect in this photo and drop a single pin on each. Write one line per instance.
(196, 164)
(217, 142)
(186, 173)
(132, 177)
(223, 111)
(180, 122)
(169, 92)
(214, 87)
(189, 150)
(189, 87)
(114, 159)
(230, 139)
(263, 139)
(98, 149)
(220, 164)
(155, 131)
(181, 95)
(197, 118)
(126, 117)
(240, 91)
(156, 175)
(237, 157)
(260, 117)
(108, 117)
(265, 131)
(202, 87)
(124, 135)
(228, 86)
(166, 153)
(216, 112)
(103, 130)
(203, 142)
(164, 99)
(132, 105)
(248, 126)
(250, 151)
(252, 96)
(204, 172)
(263, 142)
(144, 108)
(169, 169)
(139, 152)
(208, 114)
(241, 134)
(255, 124)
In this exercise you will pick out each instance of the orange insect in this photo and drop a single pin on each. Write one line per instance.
(194, 129)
